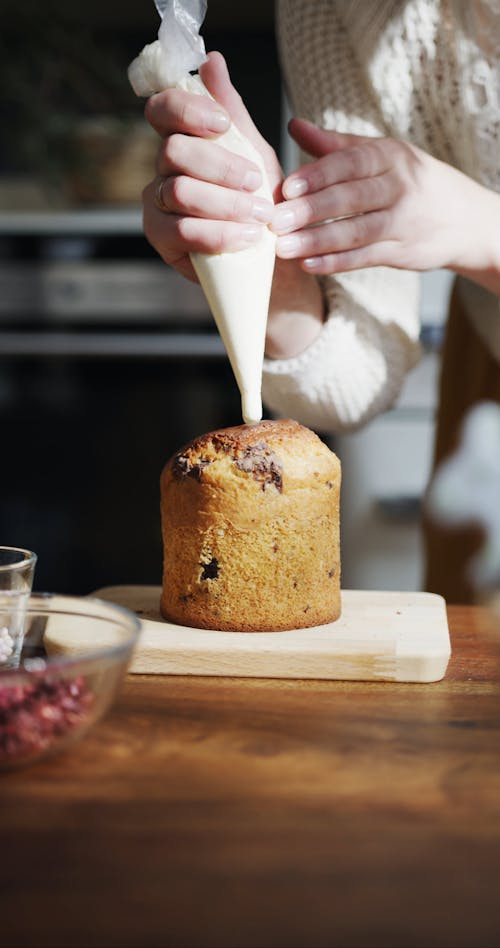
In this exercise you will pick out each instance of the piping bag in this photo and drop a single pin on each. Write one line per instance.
(237, 285)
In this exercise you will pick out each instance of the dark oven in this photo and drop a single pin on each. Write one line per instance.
(109, 362)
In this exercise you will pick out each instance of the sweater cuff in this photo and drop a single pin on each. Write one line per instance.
(351, 372)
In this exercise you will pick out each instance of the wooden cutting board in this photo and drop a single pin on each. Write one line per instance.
(380, 636)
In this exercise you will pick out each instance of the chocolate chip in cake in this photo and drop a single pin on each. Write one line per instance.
(210, 570)
(332, 571)
(184, 467)
(262, 463)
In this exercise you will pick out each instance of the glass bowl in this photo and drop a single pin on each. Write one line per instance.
(75, 654)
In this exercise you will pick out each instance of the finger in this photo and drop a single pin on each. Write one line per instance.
(177, 111)
(216, 78)
(321, 141)
(159, 236)
(364, 160)
(192, 198)
(196, 235)
(174, 236)
(215, 75)
(375, 255)
(198, 158)
(335, 236)
(340, 200)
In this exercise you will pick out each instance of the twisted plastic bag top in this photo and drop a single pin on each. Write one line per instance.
(178, 50)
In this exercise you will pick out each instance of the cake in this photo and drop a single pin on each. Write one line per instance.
(250, 526)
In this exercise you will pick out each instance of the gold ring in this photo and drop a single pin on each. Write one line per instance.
(160, 203)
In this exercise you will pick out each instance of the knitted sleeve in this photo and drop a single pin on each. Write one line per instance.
(355, 368)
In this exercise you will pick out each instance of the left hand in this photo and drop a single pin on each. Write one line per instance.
(203, 198)
(400, 207)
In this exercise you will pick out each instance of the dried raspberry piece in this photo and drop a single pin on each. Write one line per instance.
(32, 716)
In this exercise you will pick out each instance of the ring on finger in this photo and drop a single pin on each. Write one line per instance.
(159, 199)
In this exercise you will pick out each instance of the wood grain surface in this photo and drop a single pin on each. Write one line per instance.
(249, 812)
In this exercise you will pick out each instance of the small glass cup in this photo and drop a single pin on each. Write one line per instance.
(17, 567)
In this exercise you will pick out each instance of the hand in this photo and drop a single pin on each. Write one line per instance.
(208, 205)
(400, 208)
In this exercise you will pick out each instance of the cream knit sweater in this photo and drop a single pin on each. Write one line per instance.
(427, 71)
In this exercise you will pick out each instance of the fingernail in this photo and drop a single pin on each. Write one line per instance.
(312, 263)
(252, 180)
(251, 233)
(218, 122)
(287, 246)
(283, 220)
(262, 210)
(295, 187)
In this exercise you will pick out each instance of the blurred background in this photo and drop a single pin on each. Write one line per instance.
(109, 361)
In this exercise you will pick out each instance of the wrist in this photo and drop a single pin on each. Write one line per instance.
(481, 261)
(296, 311)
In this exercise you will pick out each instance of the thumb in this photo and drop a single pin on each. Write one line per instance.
(319, 141)
(215, 75)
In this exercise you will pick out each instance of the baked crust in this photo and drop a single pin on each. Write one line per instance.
(250, 525)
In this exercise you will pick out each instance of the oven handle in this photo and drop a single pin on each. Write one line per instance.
(152, 345)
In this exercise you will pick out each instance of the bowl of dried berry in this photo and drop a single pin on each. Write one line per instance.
(74, 656)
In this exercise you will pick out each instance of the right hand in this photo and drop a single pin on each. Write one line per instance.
(207, 190)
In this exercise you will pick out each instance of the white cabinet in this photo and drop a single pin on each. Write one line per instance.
(385, 470)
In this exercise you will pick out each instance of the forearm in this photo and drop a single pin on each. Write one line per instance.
(296, 311)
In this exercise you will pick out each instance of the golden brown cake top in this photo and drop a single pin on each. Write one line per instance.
(266, 452)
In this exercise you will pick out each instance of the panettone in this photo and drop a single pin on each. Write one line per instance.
(250, 524)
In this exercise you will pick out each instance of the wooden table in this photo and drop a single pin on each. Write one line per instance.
(225, 812)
